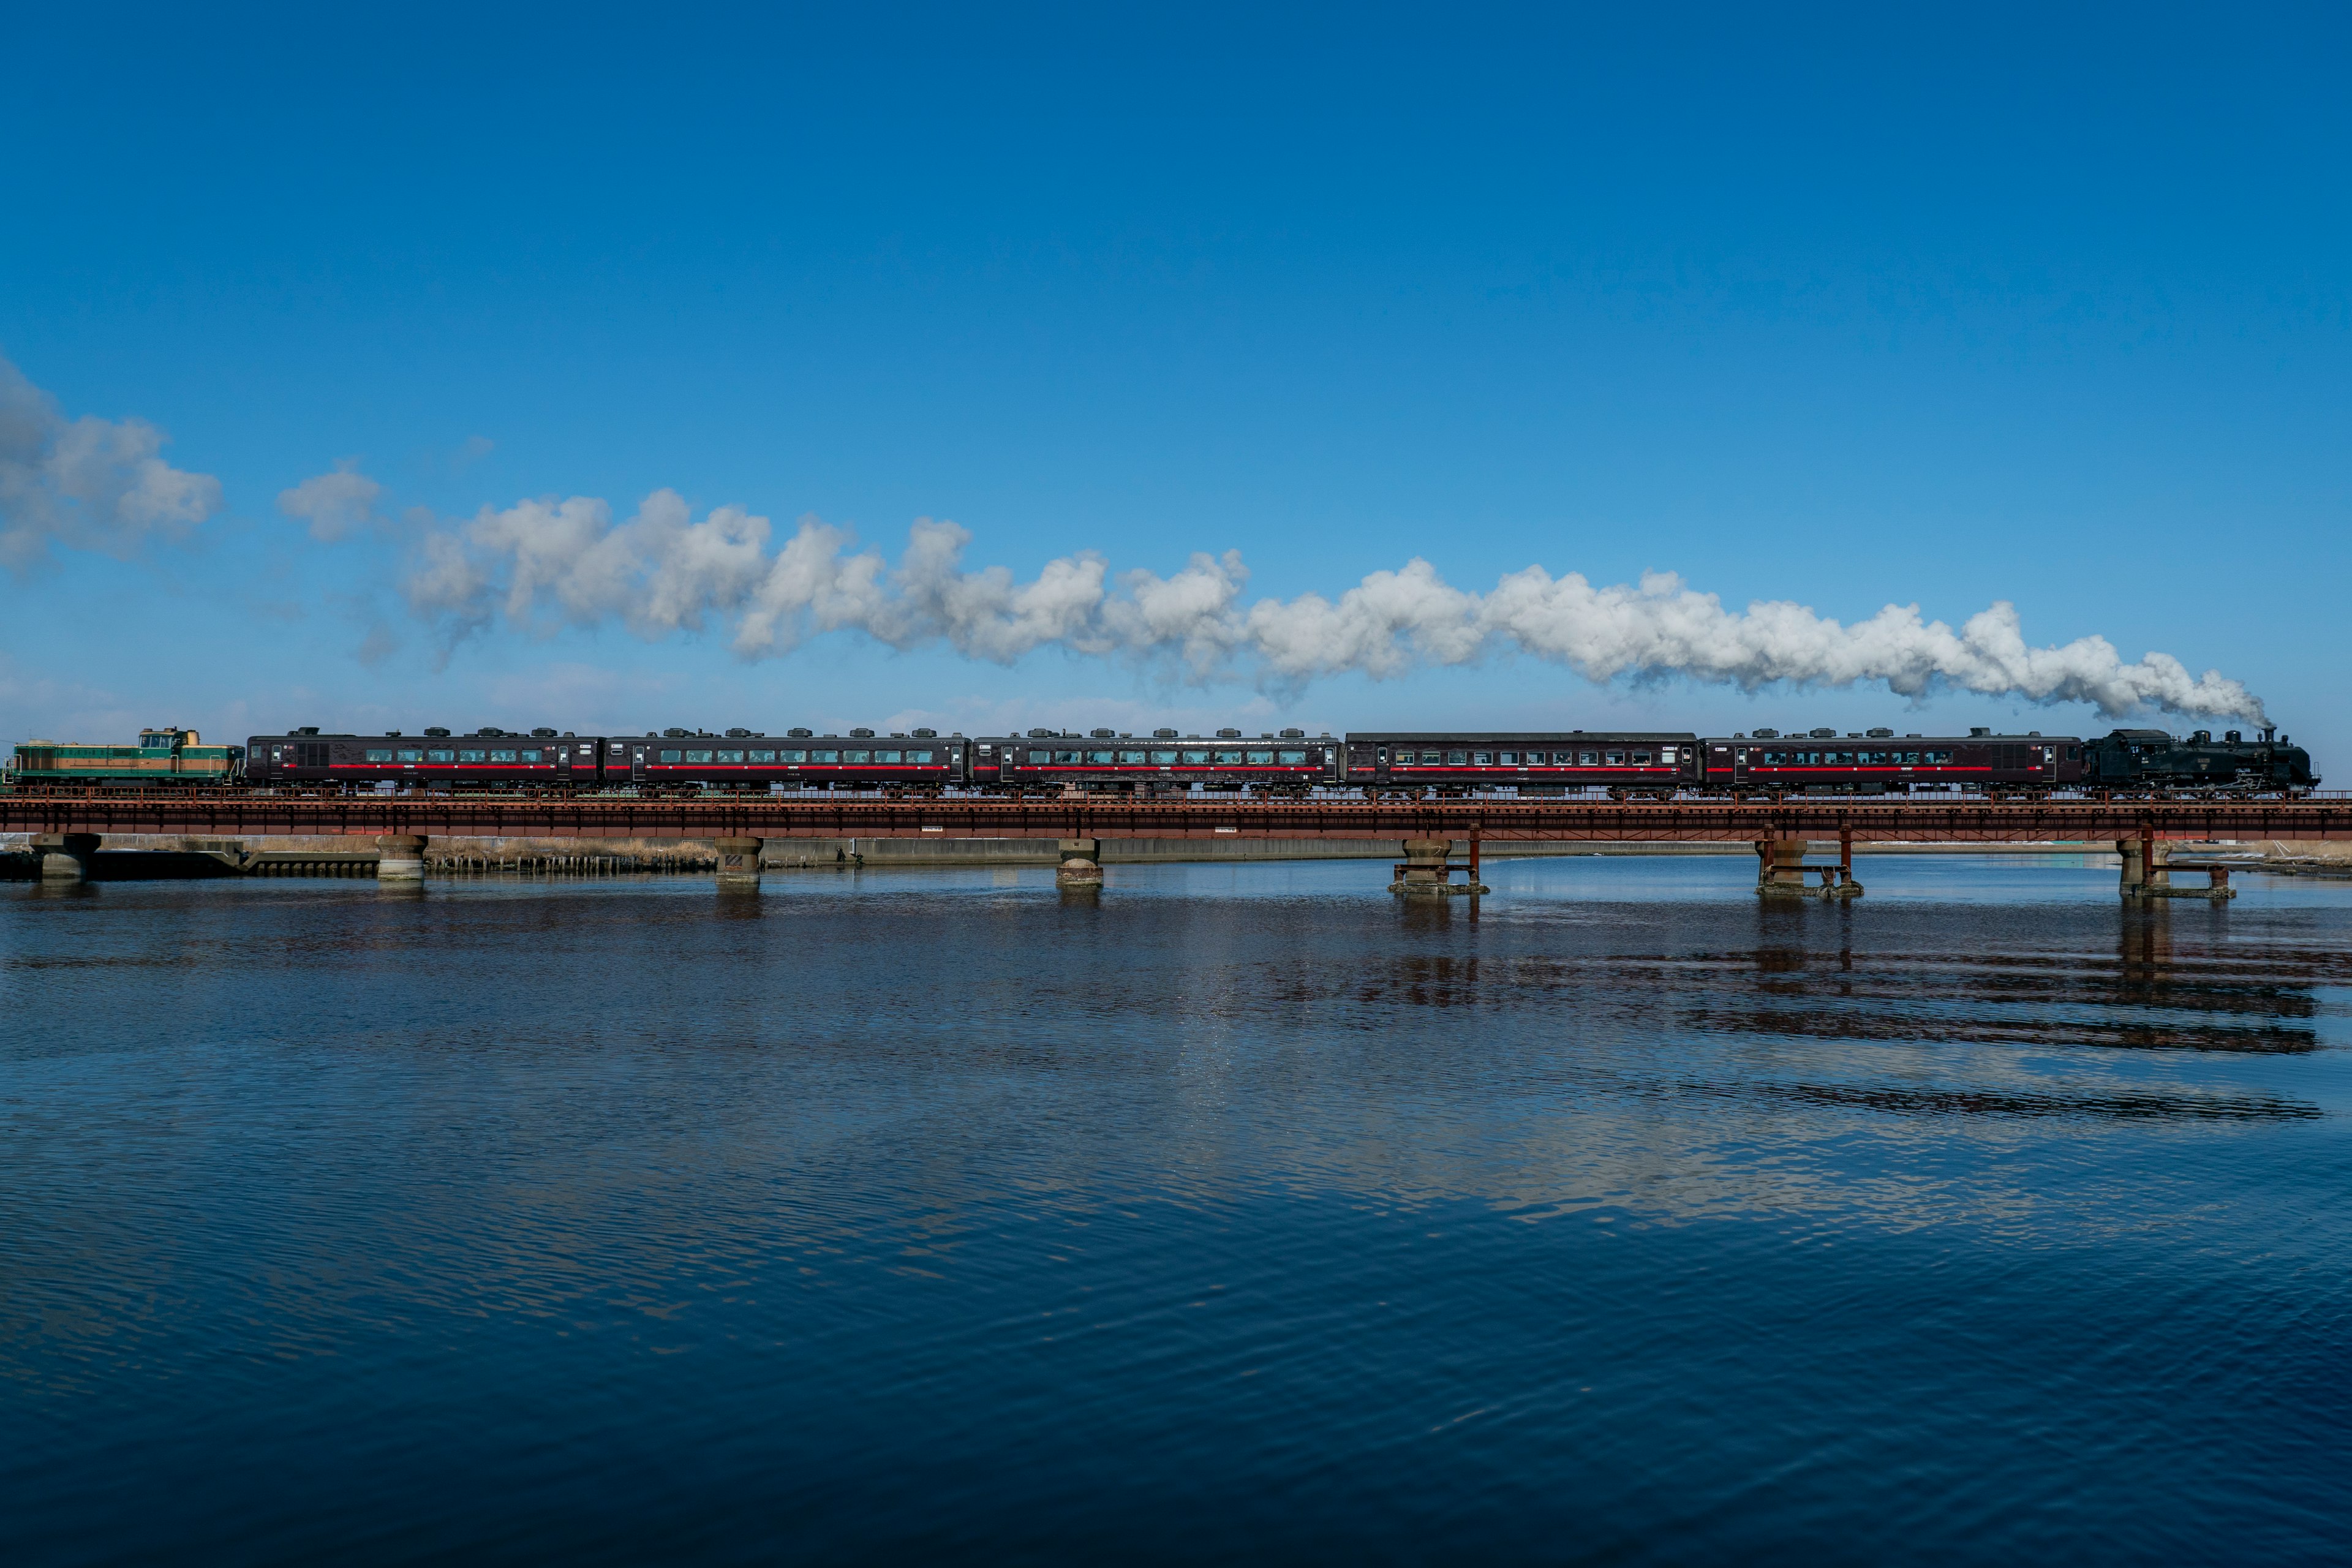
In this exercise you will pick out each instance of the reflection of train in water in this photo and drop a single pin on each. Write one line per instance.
(1624, 764)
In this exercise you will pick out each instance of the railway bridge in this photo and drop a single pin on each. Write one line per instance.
(71, 826)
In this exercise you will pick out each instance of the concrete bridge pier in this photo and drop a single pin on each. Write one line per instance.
(1081, 864)
(1780, 871)
(2147, 872)
(739, 864)
(1427, 870)
(400, 857)
(65, 856)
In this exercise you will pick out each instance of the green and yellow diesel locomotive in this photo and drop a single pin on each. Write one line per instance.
(165, 757)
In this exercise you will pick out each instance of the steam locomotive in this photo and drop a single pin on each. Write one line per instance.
(1624, 763)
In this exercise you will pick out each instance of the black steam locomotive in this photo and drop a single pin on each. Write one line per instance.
(1623, 763)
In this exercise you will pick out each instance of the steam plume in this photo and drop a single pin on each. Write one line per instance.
(544, 563)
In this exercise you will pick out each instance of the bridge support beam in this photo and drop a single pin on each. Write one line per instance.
(1081, 864)
(400, 857)
(739, 864)
(2147, 872)
(65, 856)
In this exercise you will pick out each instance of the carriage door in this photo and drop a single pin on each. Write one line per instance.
(1738, 764)
(637, 764)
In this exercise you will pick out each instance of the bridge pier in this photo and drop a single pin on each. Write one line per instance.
(739, 864)
(65, 856)
(1780, 871)
(400, 857)
(1427, 870)
(2147, 872)
(1081, 864)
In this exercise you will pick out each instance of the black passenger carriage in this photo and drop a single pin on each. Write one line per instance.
(919, 760)
(1540, 763)
(489, 759)
(1105, 761)
(1877, 762)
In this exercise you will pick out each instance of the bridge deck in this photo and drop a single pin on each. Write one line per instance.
(1911, 819)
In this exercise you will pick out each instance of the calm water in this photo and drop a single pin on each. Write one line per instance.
(1246, 1212)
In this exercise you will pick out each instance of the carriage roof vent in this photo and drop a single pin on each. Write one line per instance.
(1294, 735)
(675, 733)
(1980, 729)
(1229, 734)
(1880, 734)
(925, 735)
(738, 734)
(541, 733)
(1768, 734)
(1102, 734)
(313, 729)
(2033, 732)
(797, 734)
(434, 730)
(1041, 734)
(861, 734)
(1163, 734)
(1825, 734)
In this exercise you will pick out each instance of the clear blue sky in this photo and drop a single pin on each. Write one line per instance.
(1922, 306)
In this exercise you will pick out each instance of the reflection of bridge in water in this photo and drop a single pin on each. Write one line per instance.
(71, 826)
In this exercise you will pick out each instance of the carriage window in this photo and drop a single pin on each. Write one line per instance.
(1910, 758)
(825, 756)
(1846, 759)
(1641, 759)
(1457, 759)
(1102, 756)
(1066, 759)
(1196, 759)
(1482, 759)
(919, 756)
(1164, 758)
(763, 756)
(673, 756)
(1039, 759)
(729, 757)
(865, 757)
(469, 756)
(1291, 759)
(411, 755)
(795, 756)
(1229, 759)
(1616, 758)
(1939, 756)
(887, 756)
(1666, 754)
(697, 756)
(1260, 759)
(1130, 757)
(534, 756)
(440, 756)
(379, 754)
(504, 756)
(1508, 759)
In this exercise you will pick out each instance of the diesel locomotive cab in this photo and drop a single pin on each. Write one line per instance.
(1105, 761)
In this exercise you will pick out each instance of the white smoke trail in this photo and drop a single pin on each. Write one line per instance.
(544, 563)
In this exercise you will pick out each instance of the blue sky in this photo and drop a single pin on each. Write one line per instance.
(1845, 308)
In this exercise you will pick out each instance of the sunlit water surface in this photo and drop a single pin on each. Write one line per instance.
(1243, 1212)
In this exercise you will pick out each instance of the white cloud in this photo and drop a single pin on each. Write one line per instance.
(545, 564)
(334, 503)
(86, 483)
